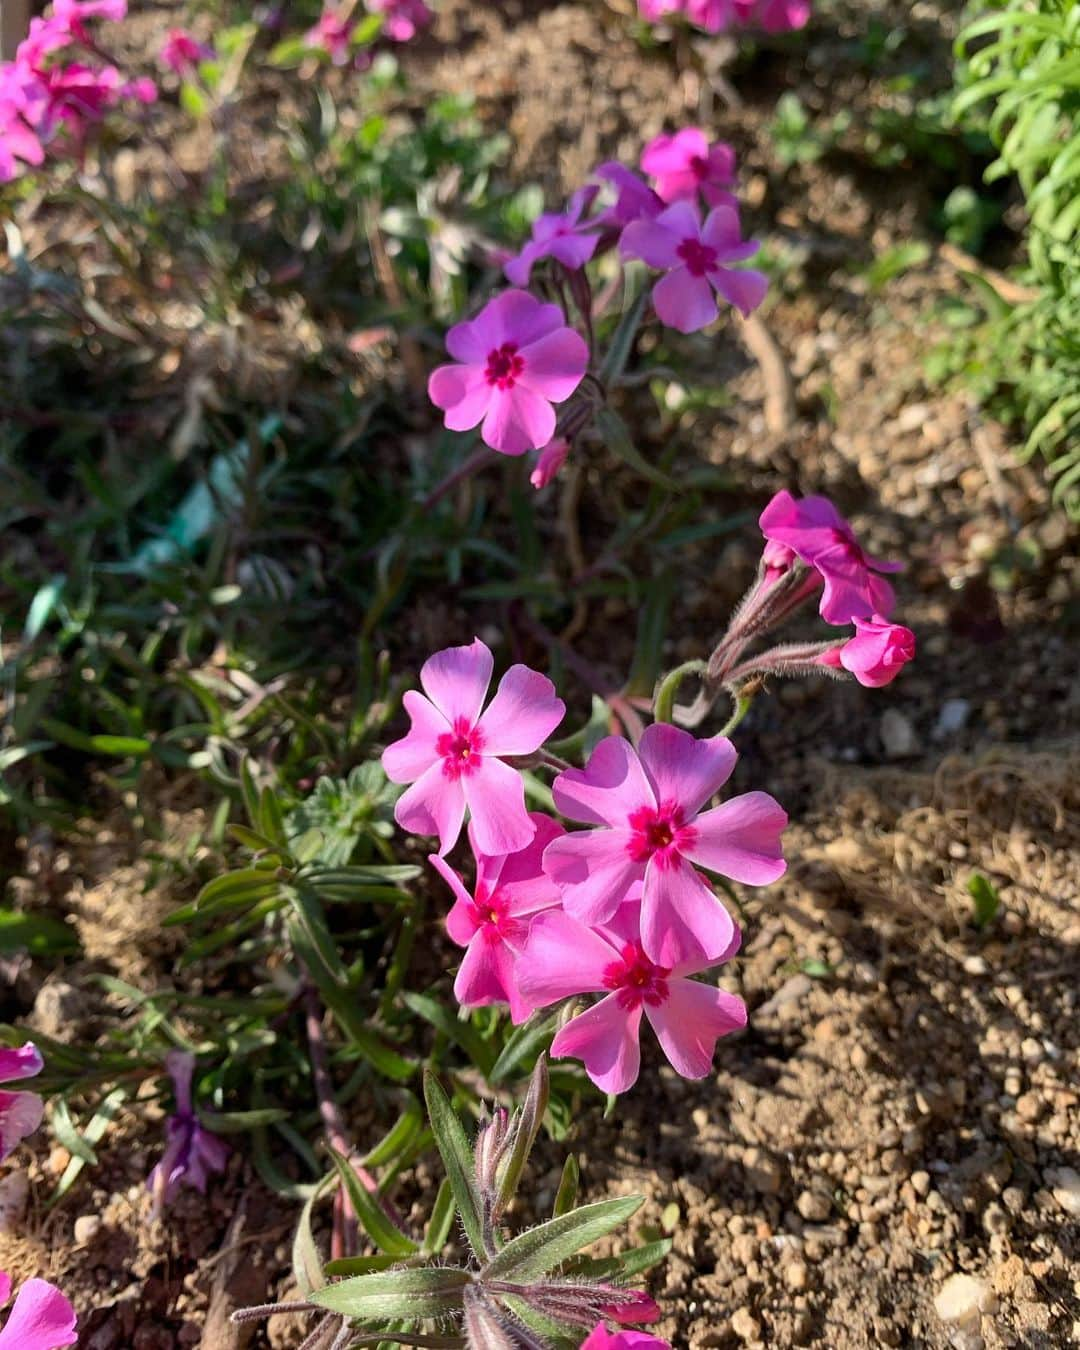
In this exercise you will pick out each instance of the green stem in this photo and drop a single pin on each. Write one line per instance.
(664, 702)
(742, 707)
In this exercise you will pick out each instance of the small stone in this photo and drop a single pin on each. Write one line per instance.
(920, 1182)
(1030, 1106)
(994, 1219)
(975, 965)
(1032, 1051)
(87, 1227)
(796, 1277)
(745, 1325)
(962, 1299)
(952, 718)
(1065, 1187)
(14, 1197)
(898, 735)
(814, 1206)
(762, 1171)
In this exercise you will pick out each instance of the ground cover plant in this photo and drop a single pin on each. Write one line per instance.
(538, 762)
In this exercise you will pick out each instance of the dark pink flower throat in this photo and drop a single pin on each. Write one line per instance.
(636, 980)
(698, 257)
(659, 832)
(460, 748)
(504, 366)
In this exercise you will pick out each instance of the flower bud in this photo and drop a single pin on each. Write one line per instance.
(876, 654)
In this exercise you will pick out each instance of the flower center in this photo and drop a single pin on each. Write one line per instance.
(698, 257)
(459, 749)
(504, 366)
(635, 979)
(658, 833)
(492, 916)
(700, 166)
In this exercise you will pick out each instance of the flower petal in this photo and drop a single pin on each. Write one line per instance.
(485, 975)
(463, 393)
(456, 680)
(745, 289)
(405, 760)
(691, 1020)
(522, 715)
(496, 798)
(684, 769)
(20, 1116)
(561, 958)
(522, 881)
(594, 870)
(517, 316)
(435, 804)
(460, 922)
(684, 302)
(608, 790)
(653, 243)
(554, 365)
(20, 1062)
(741, 839)
(682, 921)
(605, 1039)
(722, 230)
(40, 1319)
(518, 420)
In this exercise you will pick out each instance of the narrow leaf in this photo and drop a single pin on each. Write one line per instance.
(541, 1249)
(457, 1157)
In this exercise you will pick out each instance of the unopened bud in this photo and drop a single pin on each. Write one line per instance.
(489, 1149)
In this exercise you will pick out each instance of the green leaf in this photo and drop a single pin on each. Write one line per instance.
(622, 340)
(38, 934)
(271, 821)
(411, 1294)
(400, 1135)
(346, 1266)
(523, 1043)
(239, 1122)
(442, 1220)
(456, 1029)
(616, 436)
(987, 900)
(379, 1227)
(309, 911)
(93, 1134)
(457, 1156)
(64, 1129)
(541, 1249)
(567, 1194)
(306, 1263)
(527, 1121)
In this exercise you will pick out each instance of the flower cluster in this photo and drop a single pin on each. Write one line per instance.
(333, 33)
(618, 910)
(717, 16)
(520, 356)
(49, 101)
(811, 548)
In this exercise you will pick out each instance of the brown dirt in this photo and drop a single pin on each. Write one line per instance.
(903, 1111)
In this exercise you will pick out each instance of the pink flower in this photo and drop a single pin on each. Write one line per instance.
(41, 1318)
(331, 34)
(815, 532)
(602, 1339)
(876, 654)
(652, 10)
(564, 237)
(181, 52)
(693, 256)
(492, 923)
(685, 163)
(20, 1112)
(634, 199)
(404, 18)
(713, 16)
(550, 461)
(19, 143)
(774, 16)
(191, 1153)
(44, 36)
(630, 1305)
(451, 755)
(517, 358)
(564, 958)
(648, 804)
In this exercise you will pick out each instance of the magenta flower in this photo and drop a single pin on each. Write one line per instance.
(331, 35)
(41, 1318)
(564, 958)
(404, 18)
(20, 1112)
(648, 804)
(562, 236)
(694, 256)
(20, 144)
(634, 199)
(602, 1339)
(492, 923)
(652, 10)
(451, 755)
(713, 16)
(685, 163)
(181, 51)
(876, 654)
(517, 358)
(816, 533)
(191, 1153)
(773, 16)
(549, 462)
